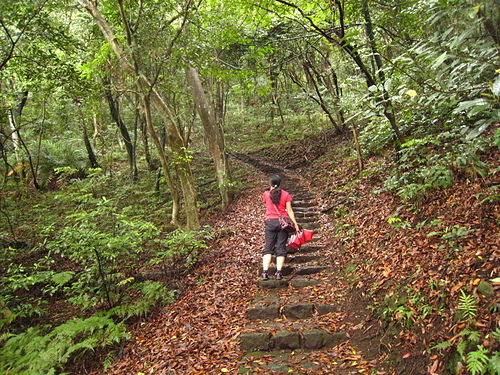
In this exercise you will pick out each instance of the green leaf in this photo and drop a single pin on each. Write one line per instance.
(439, 60)
(477, 131)
(494, 365)
(477, 361)
(495, 88)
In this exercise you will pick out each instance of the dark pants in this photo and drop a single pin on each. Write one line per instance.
(275, 238)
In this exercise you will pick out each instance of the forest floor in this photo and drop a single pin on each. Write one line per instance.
(397, 284)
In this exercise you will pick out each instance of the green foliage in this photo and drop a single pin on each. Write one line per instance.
(467, 305)
(181, 248)
(60, 158)
(424, 167)
(151, 293)
(477, 361)
(451, 235)
(36, 352)
(397, 223)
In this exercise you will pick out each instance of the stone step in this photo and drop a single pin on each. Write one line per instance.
(304, 209)
(304, 249)
(300, 259)
(311, 226)
(304, 204)
(288, 269)
(305, 213)
(295, 311)
(297, 283)
(311, 339)
(305, 220)
(310, 270)
(310, 247)
(273, 284)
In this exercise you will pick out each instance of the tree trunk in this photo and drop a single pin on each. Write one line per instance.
(165, 162)
(358, 147)
(115, 114)
(214, 136)
(17, 141)
(88, 146)
(309, 69)
(379, 66)
(177, 144)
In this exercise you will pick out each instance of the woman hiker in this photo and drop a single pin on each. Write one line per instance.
(278, 201)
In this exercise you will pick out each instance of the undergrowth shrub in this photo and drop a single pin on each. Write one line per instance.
(436, 161)
(94, 254)
(42, 350)
(466, 345)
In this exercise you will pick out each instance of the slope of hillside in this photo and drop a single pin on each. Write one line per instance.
(415, 284)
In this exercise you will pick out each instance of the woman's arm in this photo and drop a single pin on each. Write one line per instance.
(289, 209)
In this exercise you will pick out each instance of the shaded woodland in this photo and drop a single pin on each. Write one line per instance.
(126, 130)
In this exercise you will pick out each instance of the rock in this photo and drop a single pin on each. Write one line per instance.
(325, 309)
(314, 339)
(273, 284)
(255, 341)
(310, 270)
(298, 311)
(334, 339)
(261, 312)
(302, 283)
(286, 340)
(485, 288)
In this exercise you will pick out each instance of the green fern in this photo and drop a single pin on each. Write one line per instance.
(37, 352)
(496, 334)
(477, 361)
(494, 365)
(470, 334)
(467, 305)
(461, 348)
(442, 345)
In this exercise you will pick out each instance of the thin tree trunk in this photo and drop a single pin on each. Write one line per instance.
(338, 37)
(387, 103)
(149, 93)
(358, 147)
(213, 135)
(165, 162)
(88, 146)
(17, 140)
(308, 68)
(115, 114)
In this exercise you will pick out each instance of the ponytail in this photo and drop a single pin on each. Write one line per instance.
(275, 195)
(275, 191)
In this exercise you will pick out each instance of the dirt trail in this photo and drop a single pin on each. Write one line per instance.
(318, 326)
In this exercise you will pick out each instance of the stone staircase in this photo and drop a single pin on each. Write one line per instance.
(285, 313)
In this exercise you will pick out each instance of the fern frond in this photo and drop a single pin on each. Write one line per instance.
(467, 305)
(477, 361)
(494, 365)
(496, 334)
(442, 345)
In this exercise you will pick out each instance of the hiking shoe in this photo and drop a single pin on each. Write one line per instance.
(278, 275)
(265, 276)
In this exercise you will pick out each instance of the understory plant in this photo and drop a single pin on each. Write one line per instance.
(94, 266)
(468, 344)
(434, 162)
